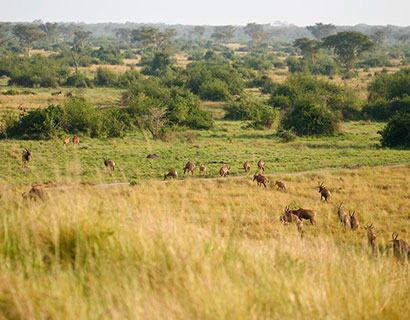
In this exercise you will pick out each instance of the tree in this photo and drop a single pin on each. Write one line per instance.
(348, 46)
(80, 45)
(308, 47)
(27, 34)
(404, 37)
(320, 30)
(123, 34)
(223, 33)
(256, 32)
(145, 36)
(380, 34)
(198, 31)
(50, 29)
(397, 131)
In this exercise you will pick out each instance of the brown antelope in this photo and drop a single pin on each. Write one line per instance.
(304, 214)
(202, 169)
(261, 165)
(171, 174)
(190, 167)
(354, 223)
(370, 234)
(25, 158)
(109, 165)
(324, 193)
(289, 216)
(69, 94)
(299, 224)
(56, 93)
(247, 167)
(343, 219)
(76, 140)
(400, 246)
(35, 193)
(260, 179)
(224, 171)
(66, 141)
(280, 185)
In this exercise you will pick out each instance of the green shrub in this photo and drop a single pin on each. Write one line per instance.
(309, 118)
(105, 77)
(214, 90)
(397, 131)
(78, 80)
(382, 110)
(390, 86)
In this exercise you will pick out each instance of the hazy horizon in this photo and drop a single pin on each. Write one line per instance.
(212, 12)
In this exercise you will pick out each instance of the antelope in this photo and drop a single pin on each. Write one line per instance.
(354, 223)
(25, 158)
(260, 179)
(370, 234)
(324, 193)
(342, 215)
(190, 167)
(247, 167)
(304, 214)
(399, 245)
(280, 185)
(66, 141)
(171, 174)
(69, 94)
(56, 93)
(289, 216)
(76, 140)
(34, 193)
(299, 224)
(202, 169)
(224, 171)
(109, 165)
(261, 165)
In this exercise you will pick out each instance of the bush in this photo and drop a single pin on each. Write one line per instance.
(382, 110)
(390, 86)
(78, 80)
(397, 132)
(214, 90)
(309, 118)
(105, 77)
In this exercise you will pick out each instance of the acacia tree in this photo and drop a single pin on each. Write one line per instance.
(256, 32)
(50, 29)
(320, 30)
(151, 38)
(123, 34)
(308, 47)
(80, 45)
(223, 33)
(199, 31)
(348, 46)
(27, 34)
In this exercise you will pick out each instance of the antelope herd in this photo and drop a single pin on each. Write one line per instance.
(291, 216)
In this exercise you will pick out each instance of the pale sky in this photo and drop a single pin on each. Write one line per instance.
(210, 12)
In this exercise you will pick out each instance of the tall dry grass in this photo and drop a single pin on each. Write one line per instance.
(206, 249)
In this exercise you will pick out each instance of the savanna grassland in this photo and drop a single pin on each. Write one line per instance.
(127, 245)
(206, 248)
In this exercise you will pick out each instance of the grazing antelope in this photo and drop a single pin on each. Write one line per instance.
(56, 93)
(224, 171)
(280, 185)
(66, 141)
(69, 94)
(289, 216)
(25, 158)
(371, 235)
(260, 179)
(354, 223)
(400, 246)
(247, 167)
(202, 169)
(76, 140)
(304, 214)
(190, 167)
(343, 219)
(34, 194)
(109, 165)
(171, 174)
(324, 193)
(261, 165)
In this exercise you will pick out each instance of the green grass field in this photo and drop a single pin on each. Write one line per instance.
(357, 145)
